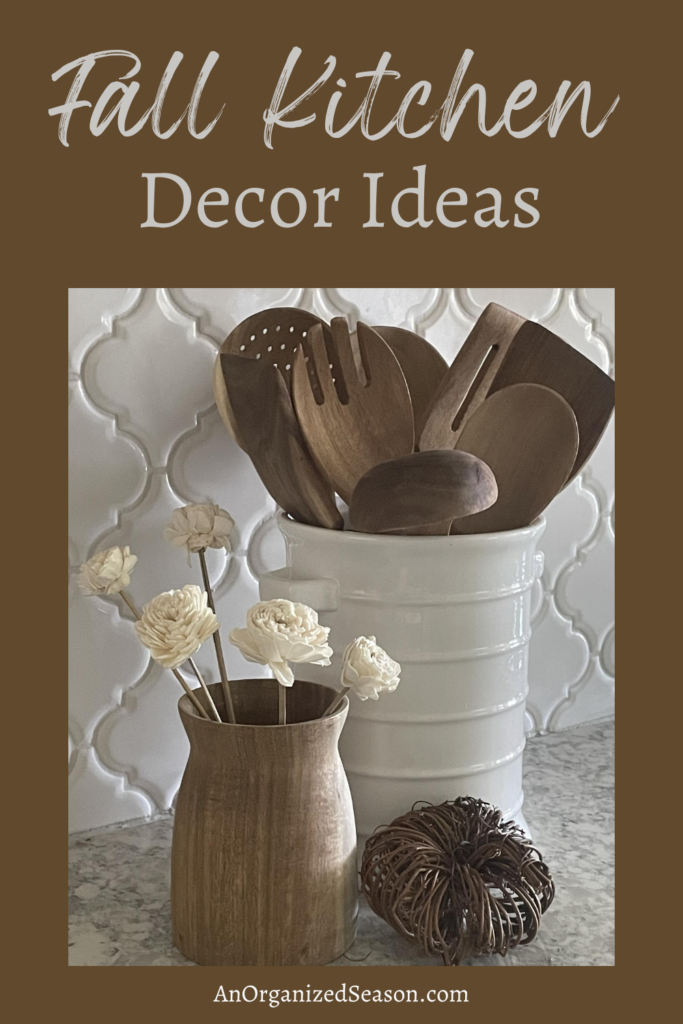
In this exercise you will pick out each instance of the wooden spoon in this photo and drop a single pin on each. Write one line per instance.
(423, 368)
(262, 408)
(538, 356)
(421, 493)
(529, 437)
(349, 426)
(270, 336)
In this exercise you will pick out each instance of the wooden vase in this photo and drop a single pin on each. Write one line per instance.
(264, 840)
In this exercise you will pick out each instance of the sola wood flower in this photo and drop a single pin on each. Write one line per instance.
(368, 670)
(107, 572)
(278, 632)
(175, 624)
(197, 527)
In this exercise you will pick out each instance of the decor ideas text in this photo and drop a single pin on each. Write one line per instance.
(252, 207)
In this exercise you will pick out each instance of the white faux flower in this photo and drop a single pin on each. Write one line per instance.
(107, 572)
(197, 527)
(175, 624)
(368, 670)
(280, 631)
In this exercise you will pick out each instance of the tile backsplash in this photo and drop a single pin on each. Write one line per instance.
(145, 437)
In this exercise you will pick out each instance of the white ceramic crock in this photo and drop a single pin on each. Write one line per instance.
(455, 612)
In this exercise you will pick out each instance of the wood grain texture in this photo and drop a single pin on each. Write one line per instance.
(529, 437)
(421, 493)
(351, 426)
(467, 382)
(271, 336)
(423, 368)
(538, 356)
(264, 840)
(262, 408)
(505, 349)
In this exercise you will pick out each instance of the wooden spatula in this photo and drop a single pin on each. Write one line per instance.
(529, 437)
(504, 349)
(421, 493)
(262, 409)
(349, 427)
(270, 336)
(538, 356)
(467, 382)
(423, 368)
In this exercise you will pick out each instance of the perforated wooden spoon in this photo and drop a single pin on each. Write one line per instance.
(529, 437)
(349, 426)
(264, 417)
(423, 368)
(421, 493)
(271, 336)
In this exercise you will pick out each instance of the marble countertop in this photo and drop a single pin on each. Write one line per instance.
(120, 877)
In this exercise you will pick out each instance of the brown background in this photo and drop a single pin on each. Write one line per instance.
(606, 206)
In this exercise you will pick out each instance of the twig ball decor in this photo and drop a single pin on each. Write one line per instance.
(456, 880)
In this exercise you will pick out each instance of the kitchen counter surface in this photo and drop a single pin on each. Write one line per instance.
(120, 877)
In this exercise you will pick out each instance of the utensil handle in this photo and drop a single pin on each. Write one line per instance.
(283, 584)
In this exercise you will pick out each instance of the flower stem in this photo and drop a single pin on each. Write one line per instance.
(217, 641)
(281, 705)
(214, 709)
(127, 598)
(336, 702)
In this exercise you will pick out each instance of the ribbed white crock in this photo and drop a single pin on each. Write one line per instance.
(455, 612)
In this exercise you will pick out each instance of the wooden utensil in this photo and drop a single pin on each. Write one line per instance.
(466, 383)
(538, 356)
(528, 436)
(504, 349)
(271, 336)
(421, 493)
(265, 421)
(423, 368)
(350, 427)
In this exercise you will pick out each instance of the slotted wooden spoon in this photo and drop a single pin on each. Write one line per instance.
(350, 427)
(262, 408)
(423, 368)
(529, 437)
(466, 384)
(421, 493)
(271, 336)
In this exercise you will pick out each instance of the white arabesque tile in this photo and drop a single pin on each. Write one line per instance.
(532, 303)
(586, 589)
(98, 797)
(571, 519)
(208, 465)
(558, 657)
(592, 698)
(153, 375)
(221, 309)
(144, 738)
(386, 306)
(105, 656)
(90, 314)
(160, 566)
(107, 473)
